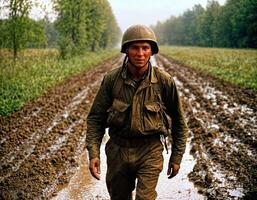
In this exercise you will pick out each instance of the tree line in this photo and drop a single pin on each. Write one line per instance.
(232, 25)
(81, 25)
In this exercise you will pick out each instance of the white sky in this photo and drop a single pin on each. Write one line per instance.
(129, 12)
(148, 12)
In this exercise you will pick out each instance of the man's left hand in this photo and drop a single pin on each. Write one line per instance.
(173, 170)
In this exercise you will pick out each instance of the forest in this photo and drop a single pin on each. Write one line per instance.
(81, 25)
(87, 25)
(232, 25)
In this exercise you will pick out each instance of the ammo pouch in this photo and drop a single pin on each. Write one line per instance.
(155, 119)
(117, 113)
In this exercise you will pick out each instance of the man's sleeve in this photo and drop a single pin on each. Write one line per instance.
(96, 120)
(179, 126)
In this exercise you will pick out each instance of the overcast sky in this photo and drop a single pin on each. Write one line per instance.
(148, 12)
(129, 12)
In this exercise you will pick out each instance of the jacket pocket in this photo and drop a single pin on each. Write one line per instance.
(155, 120)
(117, 113)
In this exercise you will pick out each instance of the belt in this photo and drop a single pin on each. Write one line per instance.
(135, 142)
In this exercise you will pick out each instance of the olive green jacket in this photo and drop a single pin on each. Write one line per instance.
(133, 110)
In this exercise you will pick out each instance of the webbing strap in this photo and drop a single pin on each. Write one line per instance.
(117, 84)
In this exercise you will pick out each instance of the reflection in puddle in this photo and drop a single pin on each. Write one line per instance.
(84, 187)
(179, 187)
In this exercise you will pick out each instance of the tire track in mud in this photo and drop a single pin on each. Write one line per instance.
(224, 133)
(40, 143)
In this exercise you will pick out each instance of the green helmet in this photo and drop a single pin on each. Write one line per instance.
(139, 33)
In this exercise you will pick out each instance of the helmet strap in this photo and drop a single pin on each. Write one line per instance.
(125, 61)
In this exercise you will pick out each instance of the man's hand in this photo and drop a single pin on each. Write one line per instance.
(173, 170)
(94, 167)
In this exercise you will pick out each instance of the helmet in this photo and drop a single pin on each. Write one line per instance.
(139, 33)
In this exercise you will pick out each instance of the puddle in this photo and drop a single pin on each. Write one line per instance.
(179, 187)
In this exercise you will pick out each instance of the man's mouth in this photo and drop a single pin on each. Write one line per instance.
(140, 61)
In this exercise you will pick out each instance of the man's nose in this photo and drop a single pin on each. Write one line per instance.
(140, 51)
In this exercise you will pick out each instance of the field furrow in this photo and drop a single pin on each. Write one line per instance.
(224, 134)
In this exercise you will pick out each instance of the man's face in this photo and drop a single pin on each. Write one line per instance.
(139, 53)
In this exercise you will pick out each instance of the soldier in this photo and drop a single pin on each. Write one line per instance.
(137, 102)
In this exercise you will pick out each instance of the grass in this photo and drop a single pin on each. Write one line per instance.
(237, 66)
(35, 71)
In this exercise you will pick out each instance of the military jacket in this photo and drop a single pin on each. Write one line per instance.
(136, 109)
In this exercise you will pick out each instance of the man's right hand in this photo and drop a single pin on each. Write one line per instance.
(94, 167)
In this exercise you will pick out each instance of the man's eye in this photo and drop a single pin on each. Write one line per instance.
(146, 48)
(134, 48)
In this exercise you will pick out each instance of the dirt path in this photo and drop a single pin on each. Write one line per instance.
(40, 145)
(223, 124)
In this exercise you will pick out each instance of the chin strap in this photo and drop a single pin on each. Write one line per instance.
(125, 61)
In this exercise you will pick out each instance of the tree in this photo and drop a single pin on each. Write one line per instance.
(231, 25)
(36, 37)
(85, 25)
(208, 24)
(188, 22)
(243, 21)
(70, 25)
(4, 35)
(159, 30)
(51, 33)
(17, 24)
(111, 31)
(198, 11)
(224, 29)
(95, 23)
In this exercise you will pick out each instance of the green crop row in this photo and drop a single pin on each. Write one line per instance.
(37, 70)
(237, 66)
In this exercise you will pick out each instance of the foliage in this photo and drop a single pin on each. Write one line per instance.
(18, 31)
(17, 24)
(231, 25)
(85, 25)
(36, 37)
(81, 25)
(238, 66)
(33, 37)
(37, 70)
(51, 33)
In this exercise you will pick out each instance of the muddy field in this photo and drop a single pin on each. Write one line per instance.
(40, 145)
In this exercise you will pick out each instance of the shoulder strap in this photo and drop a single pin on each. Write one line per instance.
(158, 87)
(117, 84)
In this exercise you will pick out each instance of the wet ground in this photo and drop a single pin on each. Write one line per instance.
(83, 186)
(42, 149)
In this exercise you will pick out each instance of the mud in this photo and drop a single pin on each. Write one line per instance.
(223, 124)
(41, 144)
